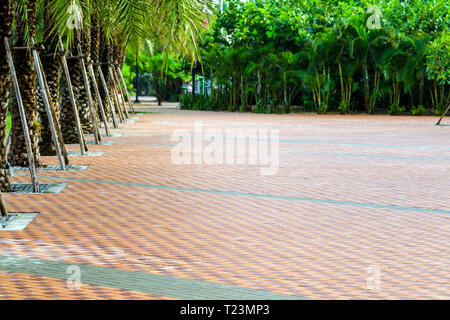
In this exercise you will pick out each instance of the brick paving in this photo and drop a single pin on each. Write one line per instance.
(352, 193)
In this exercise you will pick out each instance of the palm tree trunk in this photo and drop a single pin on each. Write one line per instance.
(157, 91)
(366, 89)
(104, 58)
(5, 81)
(67, 117)
(95, 46)
(421, 91)
(27, 78)
(51, 68)
(112, 57)
(342, 83)
(117, 60)
(83, 103)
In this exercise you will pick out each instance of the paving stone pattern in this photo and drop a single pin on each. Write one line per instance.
(353, 194)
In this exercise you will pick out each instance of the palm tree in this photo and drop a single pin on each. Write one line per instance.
(361, 44)
(318, 75)
(50, 64)
(6, 18)
(68, 124)
(104, 58)
(25, 18)
(94, 52)
(394, 59)
(83, 103)
(347, 67)
(83, 37)
(107, 19)
(175, 23)
(416, 66)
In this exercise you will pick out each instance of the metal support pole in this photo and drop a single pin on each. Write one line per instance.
(34, 47)
(122, 97)
(23, 117)
(137, 81)
(89, 97)
(105, 87)
(8, 142)
(130, 104)
(99, 98)
(55, 119)
(3, 207)
(73, 101)
(45, 97)
(443, 115)
(115, 95)
(193, 81)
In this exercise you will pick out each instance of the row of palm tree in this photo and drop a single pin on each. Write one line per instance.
(105, 31)
(391, 65)
(325, 55)
(349, 67)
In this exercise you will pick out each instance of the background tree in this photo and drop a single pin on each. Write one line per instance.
(346, 64)
(438, 70)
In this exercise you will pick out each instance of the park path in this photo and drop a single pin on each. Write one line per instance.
(356, 199)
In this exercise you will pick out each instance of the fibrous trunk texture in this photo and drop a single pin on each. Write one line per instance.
(5, 81)
(104, 59)
(95, 45)
(27, 78)
(50, 63)
(68, 124)
(114, 58)
(85, 113)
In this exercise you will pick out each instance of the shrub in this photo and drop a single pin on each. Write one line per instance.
(197, 102)
(344, 108)
(417, 111)
(395, 109)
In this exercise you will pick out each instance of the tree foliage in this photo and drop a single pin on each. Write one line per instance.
(325, 55)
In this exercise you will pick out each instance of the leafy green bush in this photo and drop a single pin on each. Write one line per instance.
(417, 111)
(344, 108)
(195, 102)
(395, 109)
(160, 75)
(438, 59)
(322, 109)
(269, 55)
(439, 109)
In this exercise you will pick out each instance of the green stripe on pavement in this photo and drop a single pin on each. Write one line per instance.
(256, 195)
(158, 285)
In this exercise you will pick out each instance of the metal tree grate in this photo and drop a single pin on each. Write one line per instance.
(103, 134)
(16, 221)
(19, 187)
(52, 168)
(104, 143)
(88, 153)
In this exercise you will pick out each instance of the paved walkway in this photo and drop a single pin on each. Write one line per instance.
(357, 199)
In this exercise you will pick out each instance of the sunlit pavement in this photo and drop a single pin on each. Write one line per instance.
(359, 208)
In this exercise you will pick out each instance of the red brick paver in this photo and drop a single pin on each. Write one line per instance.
(298, 247)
